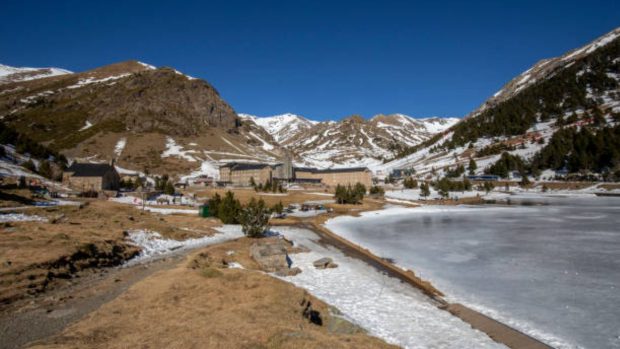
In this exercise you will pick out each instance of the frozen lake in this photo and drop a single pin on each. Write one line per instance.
(552, 271)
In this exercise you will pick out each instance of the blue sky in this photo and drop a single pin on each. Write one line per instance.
(321, 59)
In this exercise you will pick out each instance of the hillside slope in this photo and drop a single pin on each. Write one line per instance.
(577, 93)
(147, 118)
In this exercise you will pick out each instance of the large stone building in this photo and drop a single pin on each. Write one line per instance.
(334, 176)
(241, 174)
(91, 177)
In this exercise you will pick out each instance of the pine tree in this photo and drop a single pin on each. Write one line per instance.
(214, 204)
(169, 188)
(425, 191)
(229, 209)
(472, 166)
(254, 218)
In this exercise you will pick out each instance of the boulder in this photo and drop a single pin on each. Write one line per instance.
(324, 263)
(271, 256)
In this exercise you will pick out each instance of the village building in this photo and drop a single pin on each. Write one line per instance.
(242, 174)
(335, 176)
(91, 177)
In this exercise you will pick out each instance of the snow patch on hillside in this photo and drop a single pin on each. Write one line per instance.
(15, 74)
(173, 149)
(86, 126)
(120, 145)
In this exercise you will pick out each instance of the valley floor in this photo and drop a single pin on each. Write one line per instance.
(60, 288)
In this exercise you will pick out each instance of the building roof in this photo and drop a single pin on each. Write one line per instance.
(331, 170)
(89, 170)
(242, 167)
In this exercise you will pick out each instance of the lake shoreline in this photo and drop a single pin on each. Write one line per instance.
(496, 330)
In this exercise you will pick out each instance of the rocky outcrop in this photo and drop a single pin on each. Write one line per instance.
(324, 263)
(16, 284)
(271, 254)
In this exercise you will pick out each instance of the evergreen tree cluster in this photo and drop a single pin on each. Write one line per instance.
(350, 194)
(581, 150)
(164, 184)
(410, 183)
(552, 98)
(507, 163)
(227, 209)
(493, 149)
(455, 173)
(446, 185)
(25, 145)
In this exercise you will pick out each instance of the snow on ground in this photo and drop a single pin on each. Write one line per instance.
(414, 194)
(130, 200)
(167, 211)
(309, 213)
(92, 80)
(86, 126)
(154, 245)
(120, 145)
(208, 168)
(386, 307)
(267, 146)
(6, 70)
(173, 149)
(148, 66)
(20, 217)
(9, 169)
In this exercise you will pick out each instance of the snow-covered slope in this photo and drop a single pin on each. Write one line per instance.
(543, 70)
(410, 130)
(10, 74)
(353, 141)
(521, 118)
(281, 127)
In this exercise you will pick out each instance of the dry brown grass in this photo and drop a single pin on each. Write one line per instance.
(566, 185)
(30, 251)
(610, 186)
(208, 307)
(244, 195)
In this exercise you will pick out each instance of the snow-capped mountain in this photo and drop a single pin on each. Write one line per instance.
(410, 130)
(352, 141)
(10, 74)
(281, 127)
(577, 91)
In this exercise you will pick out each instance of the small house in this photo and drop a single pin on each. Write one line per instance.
(91, 177)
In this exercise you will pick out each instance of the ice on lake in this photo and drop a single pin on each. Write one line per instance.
(552, 270)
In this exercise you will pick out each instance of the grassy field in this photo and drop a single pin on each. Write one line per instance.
(202, 304)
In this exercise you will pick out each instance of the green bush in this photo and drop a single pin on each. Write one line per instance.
(410, 183)
(376, 190)
(425, 190)
(254, 218)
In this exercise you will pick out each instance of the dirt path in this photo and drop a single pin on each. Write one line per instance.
(49, 313)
